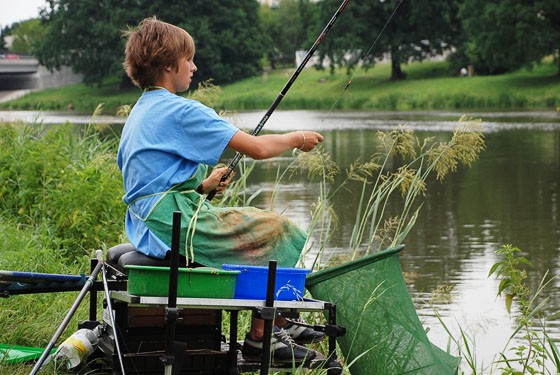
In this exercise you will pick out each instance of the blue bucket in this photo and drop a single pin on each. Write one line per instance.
(252, 282)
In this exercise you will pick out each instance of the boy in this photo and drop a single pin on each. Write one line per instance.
(165, 146)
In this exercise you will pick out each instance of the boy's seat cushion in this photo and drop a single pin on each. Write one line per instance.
(125, 254)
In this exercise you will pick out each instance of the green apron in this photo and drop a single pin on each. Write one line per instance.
(213, 236)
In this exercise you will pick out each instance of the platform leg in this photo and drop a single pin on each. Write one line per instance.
(269, 321)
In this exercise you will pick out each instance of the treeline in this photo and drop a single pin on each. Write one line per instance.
(236, 38)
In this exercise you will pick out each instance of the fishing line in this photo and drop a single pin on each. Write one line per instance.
(372, 46)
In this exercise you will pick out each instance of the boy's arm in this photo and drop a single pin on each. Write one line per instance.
(270, 145)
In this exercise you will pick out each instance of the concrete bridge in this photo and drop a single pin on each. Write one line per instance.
(14, 64)
(25, 73)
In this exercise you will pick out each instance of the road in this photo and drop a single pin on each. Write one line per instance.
(6, 95)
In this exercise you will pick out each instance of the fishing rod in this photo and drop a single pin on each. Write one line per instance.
(280, 96)
(111, 315)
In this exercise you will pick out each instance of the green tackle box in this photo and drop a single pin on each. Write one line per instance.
(202, 282)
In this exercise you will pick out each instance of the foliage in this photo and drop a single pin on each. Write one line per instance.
(512, 277)
(86, 35)
(286, 40)
(532, 357)
(27, 35)
(63, 176)
(403, 30)
(502, 36)
(31, 320)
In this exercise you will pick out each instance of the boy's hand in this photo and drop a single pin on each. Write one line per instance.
(214, 181)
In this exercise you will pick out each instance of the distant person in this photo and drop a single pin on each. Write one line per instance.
(166, 145)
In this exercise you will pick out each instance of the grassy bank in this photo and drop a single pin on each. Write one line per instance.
(429, 86)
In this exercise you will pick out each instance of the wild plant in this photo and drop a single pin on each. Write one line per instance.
(529, 349)
(536, 350)
(65, 176)
(402, 166)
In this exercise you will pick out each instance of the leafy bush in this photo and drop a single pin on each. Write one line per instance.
(65, 177)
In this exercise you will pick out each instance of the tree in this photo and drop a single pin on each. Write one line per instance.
(84, 35)
(285, 41)
(504, 35)
(2, 41)
(27, 35)
(402, 30)
(87, 35)
(229, 38)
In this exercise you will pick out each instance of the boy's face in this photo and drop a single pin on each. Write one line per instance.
(181, 77)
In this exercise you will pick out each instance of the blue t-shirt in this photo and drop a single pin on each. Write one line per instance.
(164, 140)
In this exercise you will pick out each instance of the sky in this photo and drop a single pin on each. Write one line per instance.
(19, 10)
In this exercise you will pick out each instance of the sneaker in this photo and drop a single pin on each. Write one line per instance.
(284, 349)
(303, 335)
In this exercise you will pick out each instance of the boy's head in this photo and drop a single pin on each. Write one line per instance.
(153, 46)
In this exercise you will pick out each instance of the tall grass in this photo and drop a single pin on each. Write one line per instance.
(60, 193)
(399, 169)
(64, 177)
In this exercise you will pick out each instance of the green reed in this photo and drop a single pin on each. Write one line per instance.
(400, 168)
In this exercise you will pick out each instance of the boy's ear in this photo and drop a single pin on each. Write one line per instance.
(167, 68)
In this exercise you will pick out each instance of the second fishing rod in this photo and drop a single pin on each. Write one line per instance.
(282, 93)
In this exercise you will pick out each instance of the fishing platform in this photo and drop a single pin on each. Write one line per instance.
(171, 334)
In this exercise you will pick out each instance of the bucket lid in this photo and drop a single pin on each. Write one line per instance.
(329, 273)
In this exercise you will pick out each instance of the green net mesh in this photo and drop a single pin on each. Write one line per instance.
(383, 332)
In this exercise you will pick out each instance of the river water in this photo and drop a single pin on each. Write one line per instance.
(511, 195)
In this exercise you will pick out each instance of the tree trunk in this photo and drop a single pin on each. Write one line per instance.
(558, 60)
(396, 72)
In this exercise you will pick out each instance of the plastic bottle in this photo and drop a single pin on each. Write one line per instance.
(76, 348)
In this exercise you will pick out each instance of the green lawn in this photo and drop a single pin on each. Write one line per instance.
(429, 86)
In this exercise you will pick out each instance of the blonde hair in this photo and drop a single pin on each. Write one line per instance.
(151, 47)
